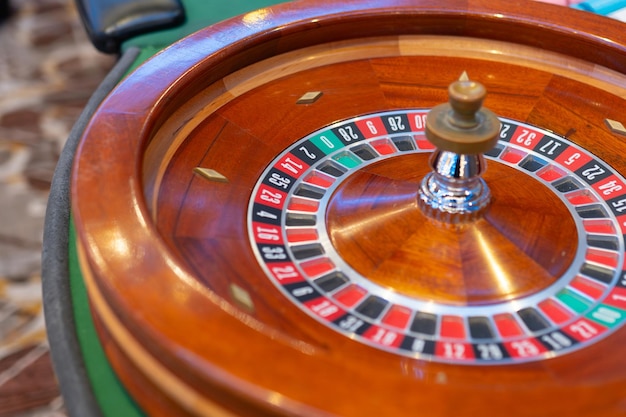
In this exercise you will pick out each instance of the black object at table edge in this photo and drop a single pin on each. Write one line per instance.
(110, 22)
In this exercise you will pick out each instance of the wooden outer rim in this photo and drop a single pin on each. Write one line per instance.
(288, 26)
(141, 282)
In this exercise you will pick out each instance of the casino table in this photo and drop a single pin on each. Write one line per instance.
(344, 208)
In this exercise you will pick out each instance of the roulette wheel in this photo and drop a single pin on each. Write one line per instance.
(277, 216)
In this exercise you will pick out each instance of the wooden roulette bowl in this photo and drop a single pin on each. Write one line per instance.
(251, 249)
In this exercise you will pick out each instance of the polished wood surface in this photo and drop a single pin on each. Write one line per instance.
(163, 249)
(378, 229)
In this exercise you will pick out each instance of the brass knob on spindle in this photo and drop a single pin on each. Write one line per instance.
(462, 125)
(462, 130)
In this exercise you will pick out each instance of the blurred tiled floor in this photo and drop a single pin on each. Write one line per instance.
(48, 70)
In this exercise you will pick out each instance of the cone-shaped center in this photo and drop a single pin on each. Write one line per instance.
(525, 241)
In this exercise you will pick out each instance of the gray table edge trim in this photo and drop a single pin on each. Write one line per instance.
(66, 354)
